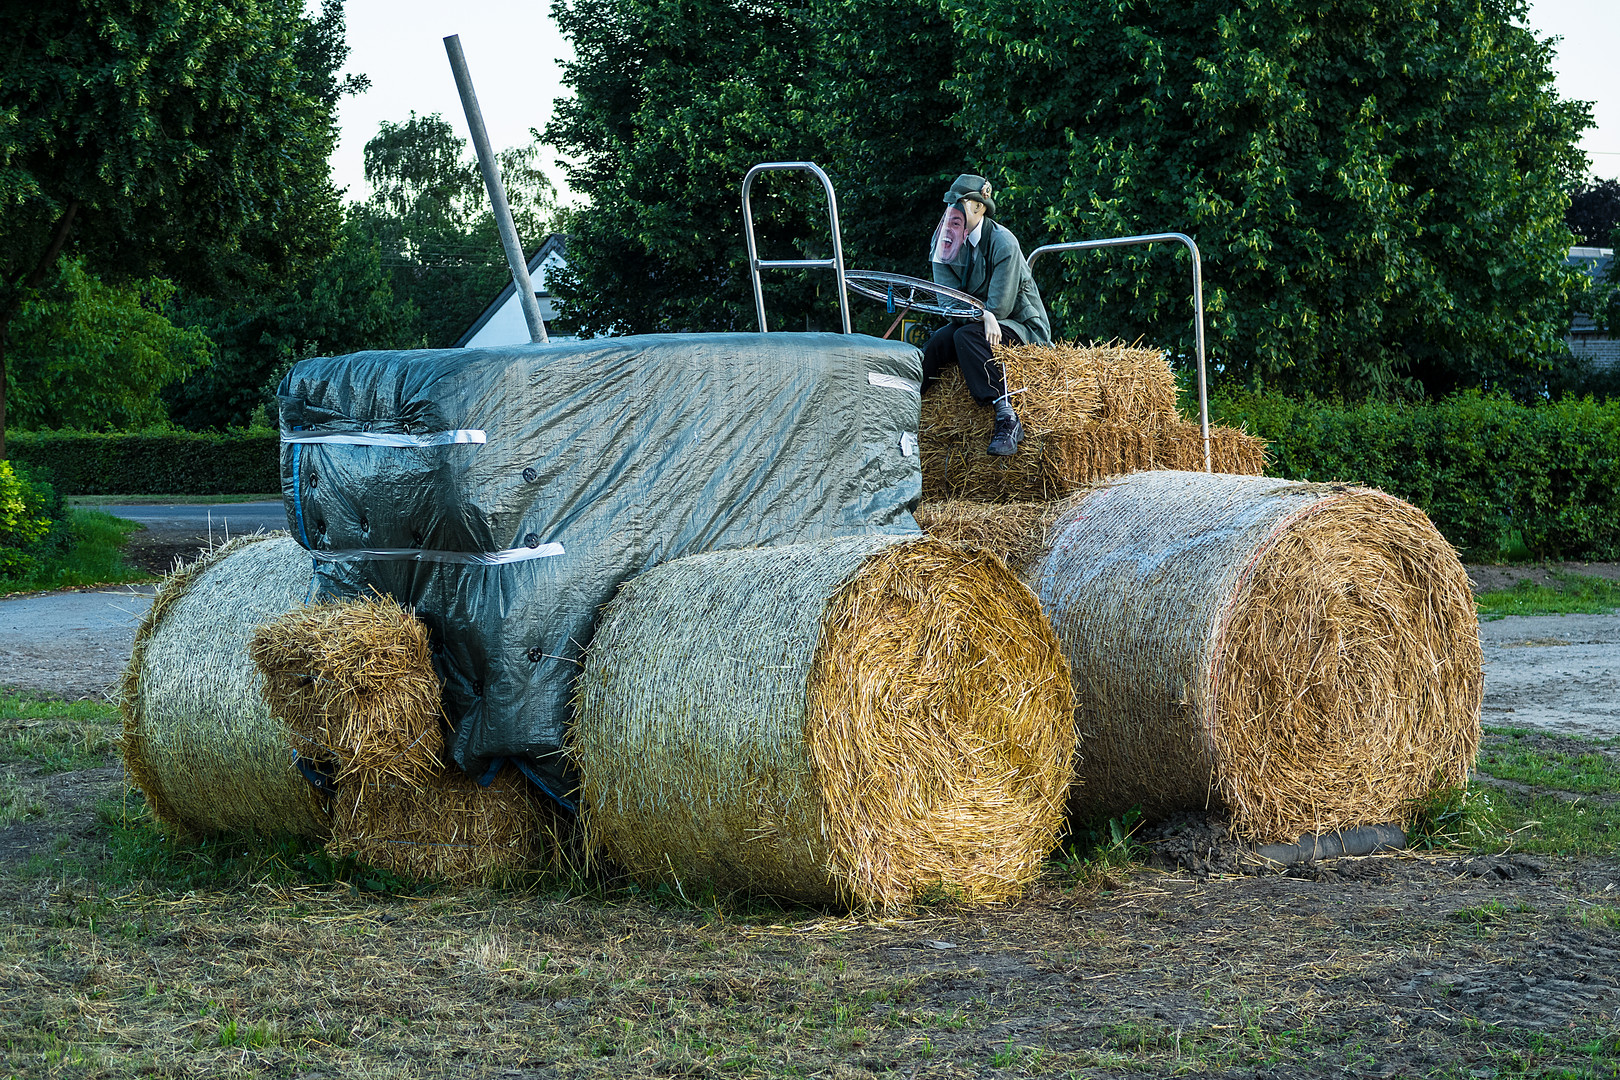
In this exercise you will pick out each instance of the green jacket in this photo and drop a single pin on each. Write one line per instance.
(996, 274)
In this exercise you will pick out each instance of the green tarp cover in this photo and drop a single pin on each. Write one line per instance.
(505, 493)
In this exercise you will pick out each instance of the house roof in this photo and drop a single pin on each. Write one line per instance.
(554, 244)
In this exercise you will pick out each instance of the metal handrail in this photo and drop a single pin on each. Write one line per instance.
(755, 263)
(1197, 297)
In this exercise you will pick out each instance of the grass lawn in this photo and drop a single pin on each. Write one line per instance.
(95, 558)
(1568, 594)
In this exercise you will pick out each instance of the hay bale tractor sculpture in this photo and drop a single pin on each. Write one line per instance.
(673, 585)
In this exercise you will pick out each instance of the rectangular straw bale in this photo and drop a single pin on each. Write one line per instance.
(1015, 532)
(1056, 464)
(1060, 388)
(448, 827)
(1066, 385)
(1231, 450)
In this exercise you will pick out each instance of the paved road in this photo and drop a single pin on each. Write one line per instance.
(236, 517)
(1558, 672)
(70, 643)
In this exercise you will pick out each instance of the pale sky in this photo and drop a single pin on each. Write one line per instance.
(513, 50)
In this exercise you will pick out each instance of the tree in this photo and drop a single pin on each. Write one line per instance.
(431, 217)
(1594, 211)
(1377, 188)
(343, 303)
(673, 101)
(886, 121)
(96, 356)
(178, 139)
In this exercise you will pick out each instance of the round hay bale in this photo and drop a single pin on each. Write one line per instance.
(854, 720)
(1306, 655)
(199, 740)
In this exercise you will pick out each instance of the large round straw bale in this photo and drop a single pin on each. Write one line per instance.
(854, 720)
(1306, 655)
(199, 740)
(354, 681)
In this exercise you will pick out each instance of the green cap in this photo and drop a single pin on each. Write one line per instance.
(968, 186)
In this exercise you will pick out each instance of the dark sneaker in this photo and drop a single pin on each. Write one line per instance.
(1004, 443)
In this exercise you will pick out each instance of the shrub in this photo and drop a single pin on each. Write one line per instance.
(237, 462)
(1491, 473)
(32, 521)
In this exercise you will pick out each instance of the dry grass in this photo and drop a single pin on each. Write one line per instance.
(354, 681)
(1014, 532)
(1306, 655)
(198, 739)
(858, 720)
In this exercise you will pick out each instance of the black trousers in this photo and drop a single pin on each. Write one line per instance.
(967, 348)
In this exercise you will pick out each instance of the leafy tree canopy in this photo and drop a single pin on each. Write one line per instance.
(164, 138)
(95, 356)
(1377, 189)
(430, 216)
(342, 303)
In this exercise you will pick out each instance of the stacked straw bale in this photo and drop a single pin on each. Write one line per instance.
(354, 681)
(854, 720)
(1305, 655)
(1089, 411)
(199, 741)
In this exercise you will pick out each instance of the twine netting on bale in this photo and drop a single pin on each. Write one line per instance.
(354, 681)
(1305, 655)
(855, 720)
(199, 741)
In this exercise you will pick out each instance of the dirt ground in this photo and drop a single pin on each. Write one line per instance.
(1400, 964)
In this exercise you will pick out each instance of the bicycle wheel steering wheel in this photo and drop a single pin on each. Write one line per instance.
(902, 294)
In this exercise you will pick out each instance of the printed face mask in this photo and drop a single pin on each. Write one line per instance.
(950, 235)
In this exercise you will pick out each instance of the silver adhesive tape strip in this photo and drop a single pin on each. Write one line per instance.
(892, 382)
(475, 558)
(384, 438)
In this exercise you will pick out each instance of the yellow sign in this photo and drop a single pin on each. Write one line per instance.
(915, 332)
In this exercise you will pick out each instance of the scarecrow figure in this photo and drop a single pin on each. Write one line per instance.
(972, 253)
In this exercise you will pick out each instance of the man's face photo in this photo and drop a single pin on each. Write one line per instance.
(950, 235)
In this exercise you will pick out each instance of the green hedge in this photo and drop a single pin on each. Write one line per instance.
(150, 463)
(1497, 478)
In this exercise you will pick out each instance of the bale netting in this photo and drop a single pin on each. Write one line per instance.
(1305, 655)
(354, 681)
(854, 721)
(199, 740)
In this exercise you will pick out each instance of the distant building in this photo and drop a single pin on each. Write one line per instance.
(502, 322)
(1584, 340)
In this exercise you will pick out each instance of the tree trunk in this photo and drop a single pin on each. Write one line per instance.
(64, 226)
